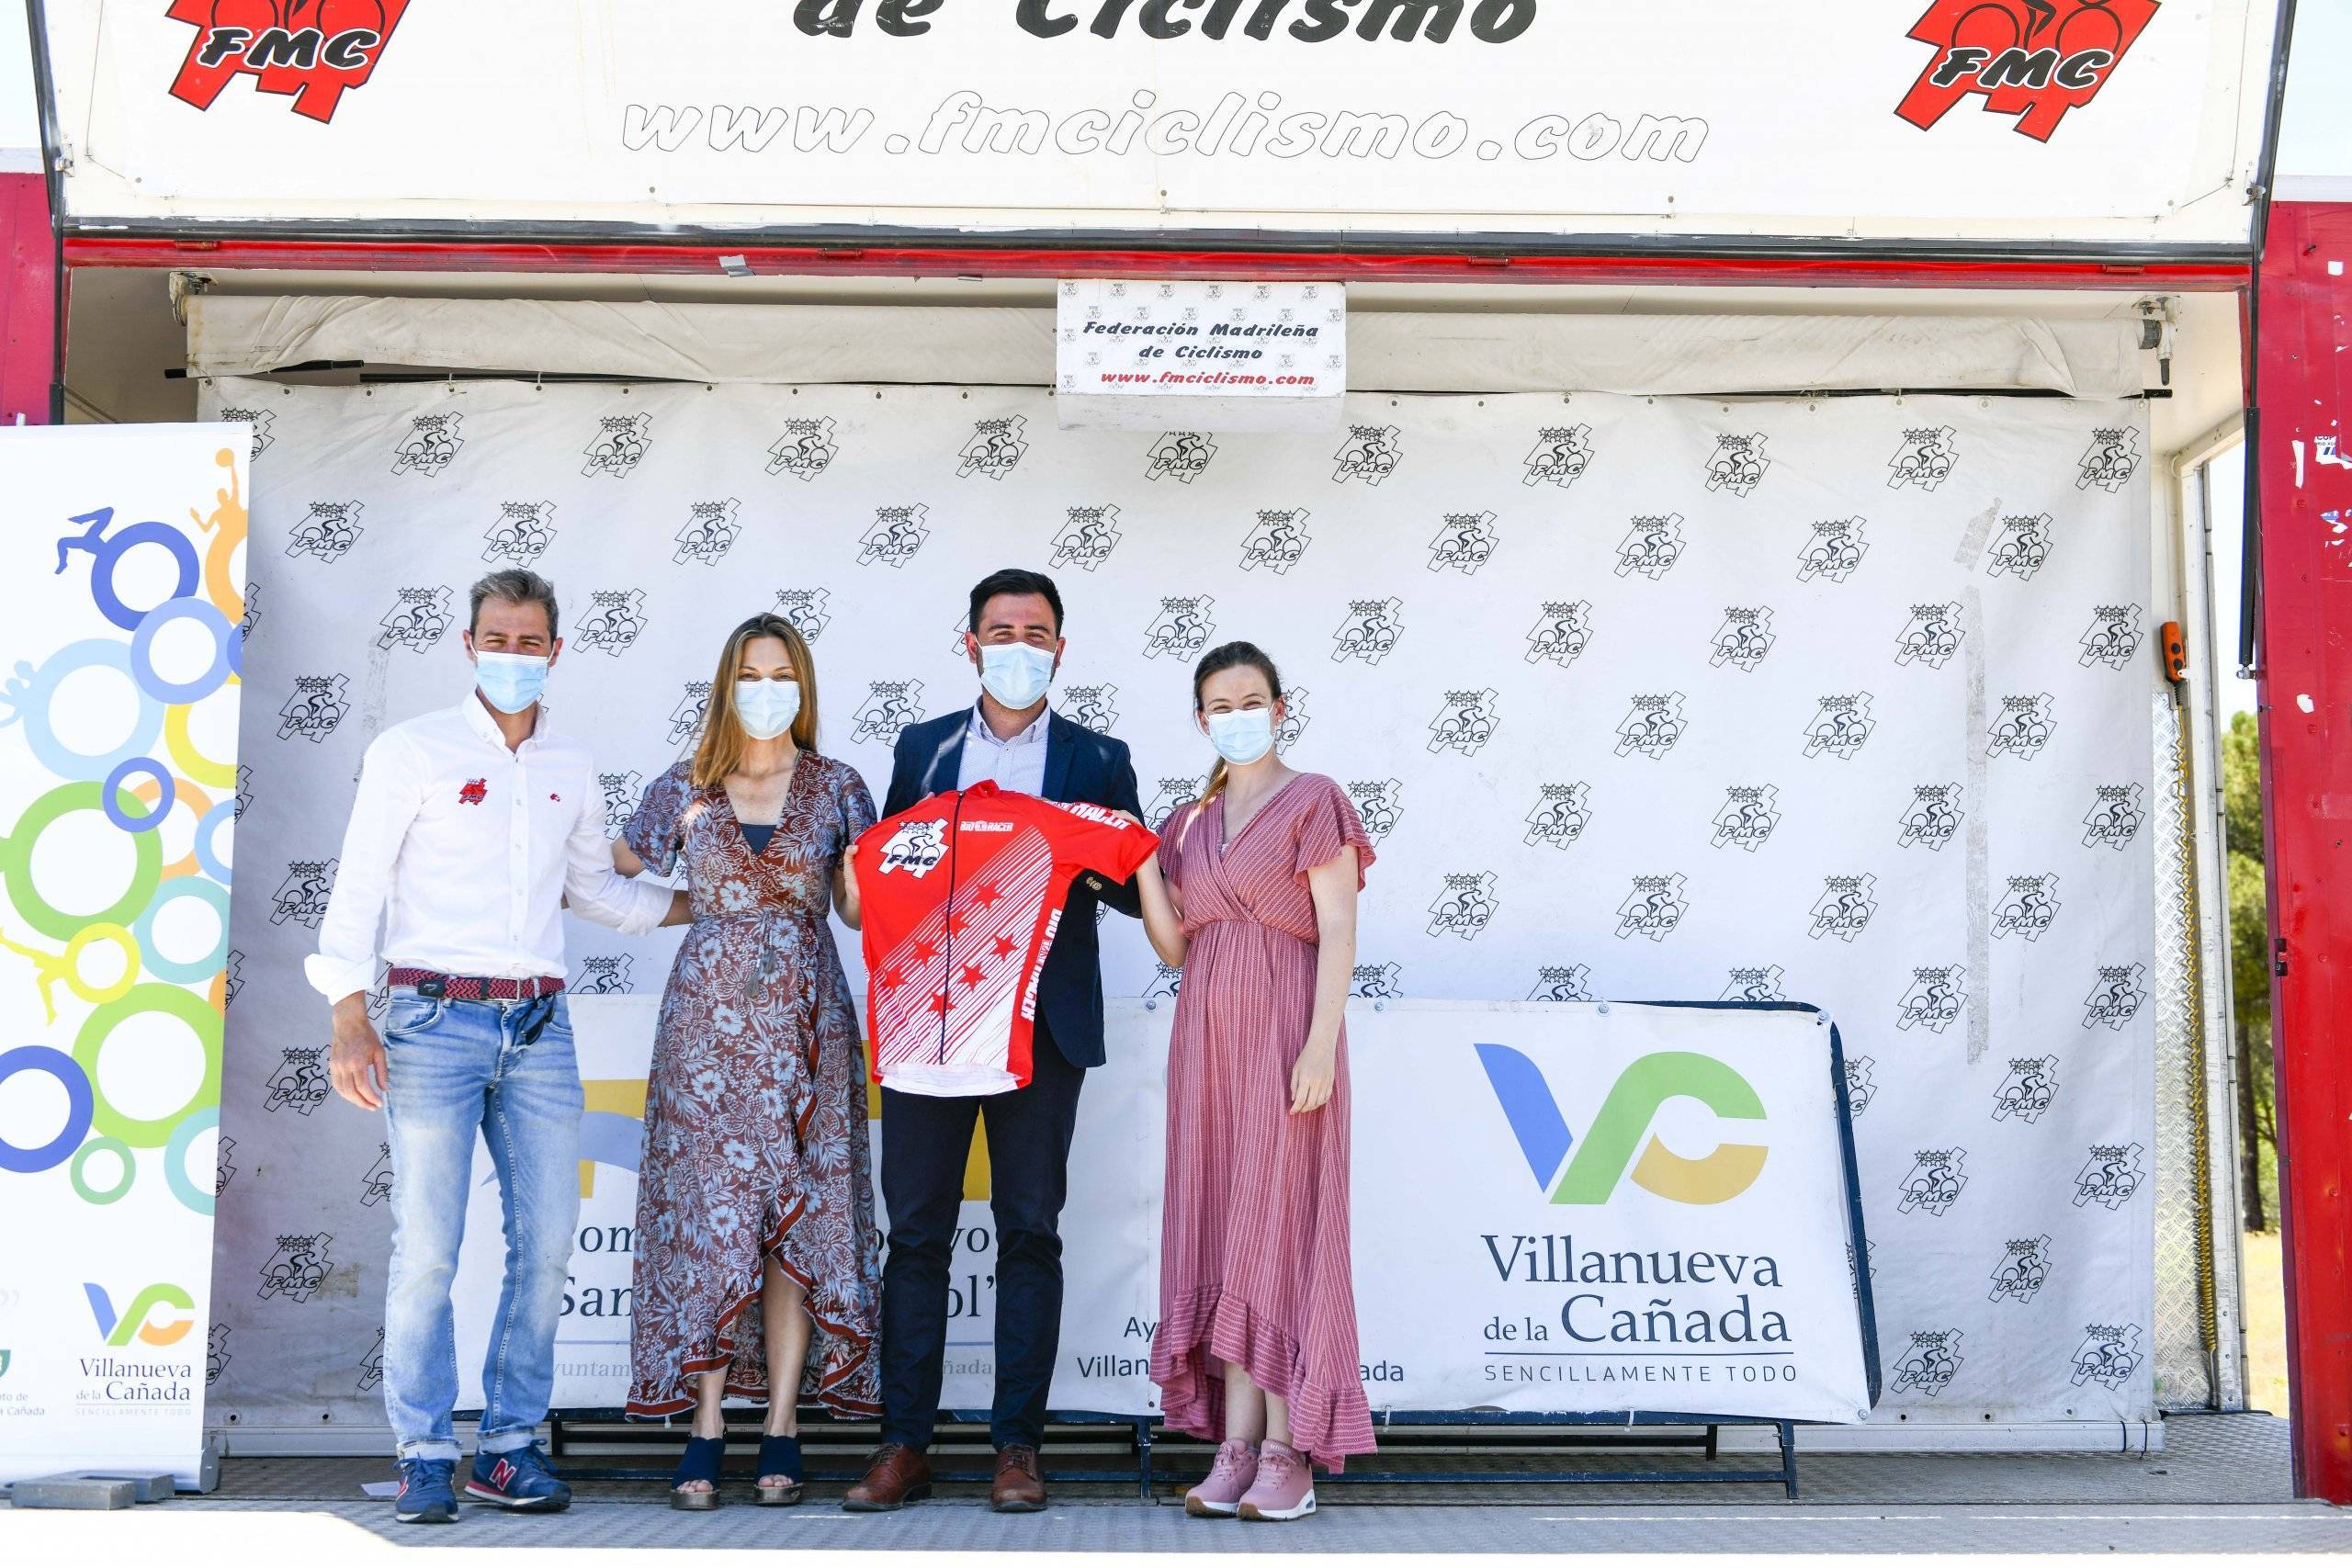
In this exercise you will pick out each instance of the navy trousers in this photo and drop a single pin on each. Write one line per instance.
(926, 1140)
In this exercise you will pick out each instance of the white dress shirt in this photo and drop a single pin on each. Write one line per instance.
(1017, 763)
(466, 849)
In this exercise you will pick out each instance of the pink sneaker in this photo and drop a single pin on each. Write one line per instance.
(1220, 1496)
(1285, 1488)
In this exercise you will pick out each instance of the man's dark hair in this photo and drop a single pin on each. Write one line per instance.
(1012, 580)
(515, 586)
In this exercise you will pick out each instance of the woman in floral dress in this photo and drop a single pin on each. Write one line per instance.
(757, 1264)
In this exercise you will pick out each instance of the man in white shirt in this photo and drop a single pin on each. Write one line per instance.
(472, 829)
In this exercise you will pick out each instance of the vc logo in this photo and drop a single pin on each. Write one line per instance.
(136, 1318)
(1619, 1136)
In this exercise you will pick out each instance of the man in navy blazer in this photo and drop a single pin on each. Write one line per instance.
(1014, 738)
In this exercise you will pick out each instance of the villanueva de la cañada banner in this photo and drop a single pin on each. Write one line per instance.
(1557, 1207)
(119, 775)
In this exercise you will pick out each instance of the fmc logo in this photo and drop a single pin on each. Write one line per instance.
(2034, 59)
(313, 51)
(137, 1319)
(1589, 1171)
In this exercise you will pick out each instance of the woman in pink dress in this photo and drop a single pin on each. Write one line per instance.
(1253, 896)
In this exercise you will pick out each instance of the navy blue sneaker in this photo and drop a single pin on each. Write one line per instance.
(518, 1479)
(425, 1497)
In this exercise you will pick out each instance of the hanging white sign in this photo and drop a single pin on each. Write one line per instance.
(1134, 354)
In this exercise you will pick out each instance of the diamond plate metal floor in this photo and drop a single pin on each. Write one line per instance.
(2220, 1486)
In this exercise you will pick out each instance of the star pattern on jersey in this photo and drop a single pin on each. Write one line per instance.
(950, 989)
(955, 961)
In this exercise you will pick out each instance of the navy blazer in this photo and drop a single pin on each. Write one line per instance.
(1079, 766)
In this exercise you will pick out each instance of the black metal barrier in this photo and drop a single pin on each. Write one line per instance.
(1143, 1461)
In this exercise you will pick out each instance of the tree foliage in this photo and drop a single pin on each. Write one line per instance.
(2250, 971)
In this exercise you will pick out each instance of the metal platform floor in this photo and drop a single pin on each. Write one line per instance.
(2220, 1486)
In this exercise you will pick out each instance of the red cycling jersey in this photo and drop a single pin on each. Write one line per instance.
(962, 894)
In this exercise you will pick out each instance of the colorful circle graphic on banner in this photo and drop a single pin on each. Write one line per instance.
(78, 1171)
(89, 936)
(107, 560)
(164, 786)
(194, 1125)
(193, 763)
(82, 864)
(33, 694)
(203, 890)
(227, 651)
(150, 1132)
(79, 1106)
(208, 831)
(17, 863)
(198, 805)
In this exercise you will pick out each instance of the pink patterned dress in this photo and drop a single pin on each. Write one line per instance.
(755, 1134)
(1254, 1263)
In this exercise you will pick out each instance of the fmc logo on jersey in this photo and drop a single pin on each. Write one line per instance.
(2034, 59)
(313, 51)
(1589, 1171)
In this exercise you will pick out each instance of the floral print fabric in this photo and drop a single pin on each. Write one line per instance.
(755, 1112)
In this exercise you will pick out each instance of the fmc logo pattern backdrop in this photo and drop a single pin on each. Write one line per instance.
(1844, 702)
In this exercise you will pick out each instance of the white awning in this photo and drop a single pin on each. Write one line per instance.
(1485, 351)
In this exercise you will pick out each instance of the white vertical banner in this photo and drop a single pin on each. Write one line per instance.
(117, 779)
(1844, 702)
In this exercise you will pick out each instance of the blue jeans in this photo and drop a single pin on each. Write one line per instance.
(504, 1070)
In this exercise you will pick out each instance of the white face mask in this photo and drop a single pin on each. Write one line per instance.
(767, 707)
(1242, 736)
(1016, 673)
(510, 682)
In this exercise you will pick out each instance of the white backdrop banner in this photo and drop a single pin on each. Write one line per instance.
(1639, 1209)
(1844, 702)
(125, 555)
(2125, 120)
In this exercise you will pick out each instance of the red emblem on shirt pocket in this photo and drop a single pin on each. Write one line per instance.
(475, 792)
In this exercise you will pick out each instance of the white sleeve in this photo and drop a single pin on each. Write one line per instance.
(391, 788)
(597, 892)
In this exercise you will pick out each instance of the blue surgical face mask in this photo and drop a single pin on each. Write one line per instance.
(510, 682)
(767, 707)
(1016, 673)
(1242, 736)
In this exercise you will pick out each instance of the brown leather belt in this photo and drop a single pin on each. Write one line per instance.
(472, 988)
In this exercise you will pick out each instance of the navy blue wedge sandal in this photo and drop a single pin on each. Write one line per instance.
(779, 1456)
(700, 1462)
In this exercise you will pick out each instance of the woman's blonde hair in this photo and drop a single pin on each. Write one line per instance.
(720, 751)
